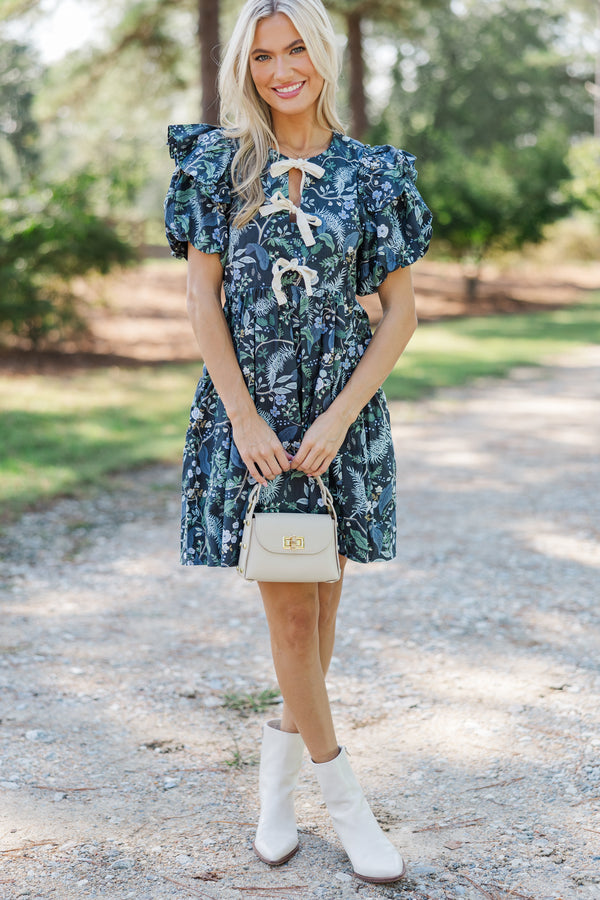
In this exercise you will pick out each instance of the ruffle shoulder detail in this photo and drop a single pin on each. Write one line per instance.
(205, 154)
(199, 198)
(396, 221)
(385, 174)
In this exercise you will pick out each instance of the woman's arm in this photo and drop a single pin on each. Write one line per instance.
(326, 435)
(257, 444)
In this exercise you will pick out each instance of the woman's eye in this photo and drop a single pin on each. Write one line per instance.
(298, 49)
(261, 57)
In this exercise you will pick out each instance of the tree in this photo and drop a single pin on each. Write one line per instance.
(591, 10)
(208, 31)
(596, 85)
(12, 9)
(49, 232)
(488, 104)
(18, 129)
(147, 26)
(48, 236)
(494, 199)
(584, 187)
(398, 13)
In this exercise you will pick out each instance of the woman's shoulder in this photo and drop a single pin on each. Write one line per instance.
(382, 158)
(383, 173)
(202, 151)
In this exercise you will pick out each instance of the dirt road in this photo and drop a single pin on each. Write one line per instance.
(465, 682)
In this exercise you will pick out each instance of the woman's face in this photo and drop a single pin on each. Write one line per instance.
(281, 68)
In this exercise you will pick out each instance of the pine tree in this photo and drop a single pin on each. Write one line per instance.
(398, 13)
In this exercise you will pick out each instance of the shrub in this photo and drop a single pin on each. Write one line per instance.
(48, 236)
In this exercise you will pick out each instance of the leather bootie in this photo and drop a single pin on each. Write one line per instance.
(373, 856)
(276, 838)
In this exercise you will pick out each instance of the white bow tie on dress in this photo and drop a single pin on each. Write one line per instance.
(279, 203)
(281, 267)
(307, 168)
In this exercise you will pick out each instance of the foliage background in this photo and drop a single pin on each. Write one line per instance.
(493, 98)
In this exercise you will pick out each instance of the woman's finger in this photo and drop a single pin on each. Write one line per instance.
(269, 467)
(282, 457)
(255, 473)
(273, 462)
(298, 458)
(316, 464)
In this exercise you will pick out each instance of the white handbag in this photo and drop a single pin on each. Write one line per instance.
(289, 546)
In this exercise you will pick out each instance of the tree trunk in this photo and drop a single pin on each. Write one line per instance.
(597, 83)
(358, 104)
(208, 35)
(471, 288)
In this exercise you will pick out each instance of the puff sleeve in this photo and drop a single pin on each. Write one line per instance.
(396, 223)
(199, 196)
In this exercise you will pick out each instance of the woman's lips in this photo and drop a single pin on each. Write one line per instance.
(291, 90)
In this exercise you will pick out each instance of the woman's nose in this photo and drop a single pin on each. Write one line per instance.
(282, 69)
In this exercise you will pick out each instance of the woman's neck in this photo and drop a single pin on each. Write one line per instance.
(300, 137)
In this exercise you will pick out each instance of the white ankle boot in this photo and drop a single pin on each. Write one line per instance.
(373, 857)
(276, 838)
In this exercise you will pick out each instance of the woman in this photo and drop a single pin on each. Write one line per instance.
(293, 219)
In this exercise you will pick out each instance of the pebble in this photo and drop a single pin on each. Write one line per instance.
(188, 690)
(44, 737)
(123, 864)
(422, 870)
(489, 606)
(211, 702)
(586, 877)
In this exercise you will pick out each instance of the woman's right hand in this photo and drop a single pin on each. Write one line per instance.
(260, 448)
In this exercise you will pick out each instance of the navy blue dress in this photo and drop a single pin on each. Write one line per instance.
(297, 327)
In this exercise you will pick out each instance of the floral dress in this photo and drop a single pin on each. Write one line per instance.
(298, 330)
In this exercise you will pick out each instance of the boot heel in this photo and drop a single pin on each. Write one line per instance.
(374, 858)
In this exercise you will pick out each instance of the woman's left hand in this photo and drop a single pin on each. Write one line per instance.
(320, 444)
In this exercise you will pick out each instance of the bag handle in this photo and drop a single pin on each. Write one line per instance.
(326, 496)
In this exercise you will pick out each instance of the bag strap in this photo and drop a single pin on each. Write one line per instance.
(326, 496)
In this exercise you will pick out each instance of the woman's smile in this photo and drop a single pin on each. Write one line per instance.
(290, 90)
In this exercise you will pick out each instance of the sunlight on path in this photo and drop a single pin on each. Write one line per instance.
(465, 680)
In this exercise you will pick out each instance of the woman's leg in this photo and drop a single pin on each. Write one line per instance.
(301, 620)
(329, 601)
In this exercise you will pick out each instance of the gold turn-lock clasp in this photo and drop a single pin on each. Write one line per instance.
(293, 542)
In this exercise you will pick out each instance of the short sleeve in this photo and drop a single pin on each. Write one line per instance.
(199, 196)
(396, 223)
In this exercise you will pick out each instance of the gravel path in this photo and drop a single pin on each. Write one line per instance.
(465, 682)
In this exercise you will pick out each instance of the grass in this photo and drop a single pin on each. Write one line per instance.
(256, 702)
(451, 353)
(63, 434)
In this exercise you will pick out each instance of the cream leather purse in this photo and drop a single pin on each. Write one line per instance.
(289, 546)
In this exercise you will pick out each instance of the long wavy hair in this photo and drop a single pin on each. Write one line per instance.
(245, 115)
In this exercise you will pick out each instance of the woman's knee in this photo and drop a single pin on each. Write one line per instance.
(294, 620)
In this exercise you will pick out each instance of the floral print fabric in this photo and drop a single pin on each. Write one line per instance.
(298, 340)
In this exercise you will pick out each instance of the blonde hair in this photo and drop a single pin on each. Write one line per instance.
(245, 115)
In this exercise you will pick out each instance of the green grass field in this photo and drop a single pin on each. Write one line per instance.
(457, 351)
(64, 434)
